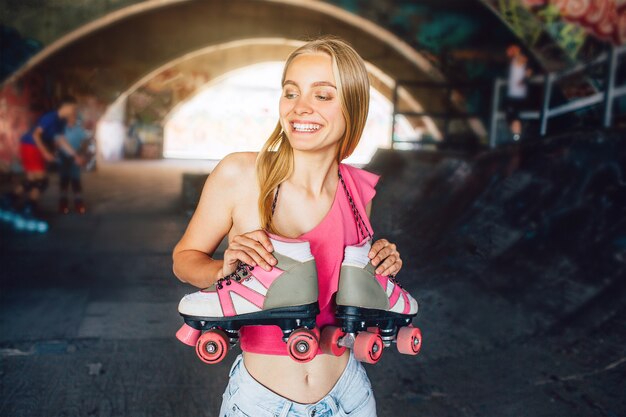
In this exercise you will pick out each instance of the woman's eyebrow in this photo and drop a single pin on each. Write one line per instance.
(323, 83)
(315, 84)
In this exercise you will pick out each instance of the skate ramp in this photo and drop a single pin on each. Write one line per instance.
(518, 259)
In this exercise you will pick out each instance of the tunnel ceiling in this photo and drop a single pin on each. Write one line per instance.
(451, 40)
(109, 56)
(459, 37)
(114, 55)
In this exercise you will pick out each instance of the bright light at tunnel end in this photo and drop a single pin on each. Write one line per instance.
(238, 112)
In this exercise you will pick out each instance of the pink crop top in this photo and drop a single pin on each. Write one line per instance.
(328, 240)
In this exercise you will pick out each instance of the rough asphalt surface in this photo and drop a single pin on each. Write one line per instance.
(517, 257)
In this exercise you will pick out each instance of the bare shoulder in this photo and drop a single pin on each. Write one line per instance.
(235, 165)
(236, 170)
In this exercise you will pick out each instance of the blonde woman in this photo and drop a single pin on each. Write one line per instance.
(297, 188)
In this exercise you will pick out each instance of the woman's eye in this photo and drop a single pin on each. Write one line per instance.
(323, 97)
(290, 95)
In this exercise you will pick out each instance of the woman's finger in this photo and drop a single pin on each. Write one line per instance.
(253, 254)
(376, 247)
(384, 253)
(231, 256)
(393, 269)
(386, 264)
(235, 253)
(247, 242)
(262, 237)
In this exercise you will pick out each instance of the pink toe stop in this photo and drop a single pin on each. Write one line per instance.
(188, 335)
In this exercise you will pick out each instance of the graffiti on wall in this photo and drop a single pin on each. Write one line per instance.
(23, 102)
(604, 19)
(464, 41)
(542, 29)
(15, 118)
(149, 105)
(152, 101)
(572, 24)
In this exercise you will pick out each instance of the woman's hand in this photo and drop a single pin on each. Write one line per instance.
(385, 257)
(253, 248)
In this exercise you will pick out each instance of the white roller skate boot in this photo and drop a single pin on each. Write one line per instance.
(286, 296)
(373, 311)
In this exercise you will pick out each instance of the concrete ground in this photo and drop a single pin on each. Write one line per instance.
(88, 316)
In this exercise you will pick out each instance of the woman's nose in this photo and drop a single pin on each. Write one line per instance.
(303, 106)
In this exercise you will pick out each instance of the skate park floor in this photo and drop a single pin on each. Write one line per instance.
(88, 313)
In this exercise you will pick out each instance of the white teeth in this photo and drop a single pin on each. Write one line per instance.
(301, 127)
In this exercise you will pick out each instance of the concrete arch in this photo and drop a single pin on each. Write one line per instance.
(109, 55)
(194, 71)
(133, 11)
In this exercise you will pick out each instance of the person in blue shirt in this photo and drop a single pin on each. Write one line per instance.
(69, 171)
(37, 147)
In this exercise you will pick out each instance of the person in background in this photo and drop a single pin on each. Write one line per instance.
(69, 168)
(517, 89)
(37, 149)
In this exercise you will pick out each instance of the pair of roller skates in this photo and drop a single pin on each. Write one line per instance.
(64, 206)
(373, 311)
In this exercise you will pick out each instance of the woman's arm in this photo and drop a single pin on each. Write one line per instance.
(211, 221)
(232, 178)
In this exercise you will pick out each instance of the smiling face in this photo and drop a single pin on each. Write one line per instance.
(310, 107)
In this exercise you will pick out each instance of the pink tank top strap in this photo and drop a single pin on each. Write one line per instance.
(360, 185)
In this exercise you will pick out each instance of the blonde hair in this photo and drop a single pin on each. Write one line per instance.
(275, 161)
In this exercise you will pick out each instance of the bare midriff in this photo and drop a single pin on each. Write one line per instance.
(304, 383)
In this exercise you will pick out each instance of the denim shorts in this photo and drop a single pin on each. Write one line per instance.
(352, 395)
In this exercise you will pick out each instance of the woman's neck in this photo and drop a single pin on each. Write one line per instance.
(314, 172)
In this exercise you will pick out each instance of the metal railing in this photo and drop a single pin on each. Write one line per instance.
(606, 98)
(447, 115)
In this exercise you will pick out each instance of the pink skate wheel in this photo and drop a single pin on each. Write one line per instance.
(409, 340)
(212, 346)
(368, 347)
(374, 329)
(188, 335)
(316, 331)
(330, 341)
(302, 345)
